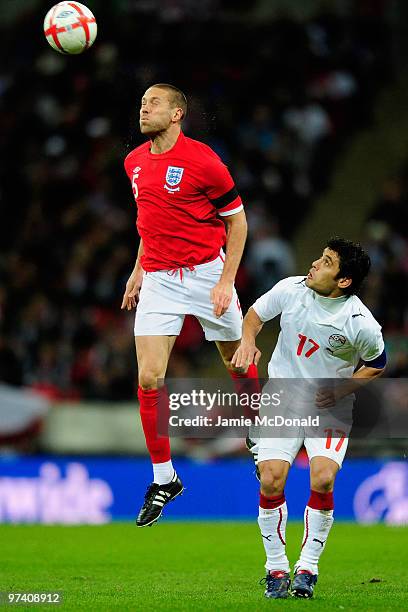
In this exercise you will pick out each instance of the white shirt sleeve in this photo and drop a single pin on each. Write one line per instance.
(271, 303)
(370, 343)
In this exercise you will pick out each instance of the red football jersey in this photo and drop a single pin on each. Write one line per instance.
(179, 195)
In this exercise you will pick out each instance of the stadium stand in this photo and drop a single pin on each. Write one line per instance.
(279, 110)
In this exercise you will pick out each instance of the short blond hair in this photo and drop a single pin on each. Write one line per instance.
(177, 97)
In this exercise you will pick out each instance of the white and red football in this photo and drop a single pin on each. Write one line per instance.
(70, 27)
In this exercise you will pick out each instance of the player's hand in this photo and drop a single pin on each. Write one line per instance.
(221, 296)
(325, 397)
(246, 354)
(132, 290)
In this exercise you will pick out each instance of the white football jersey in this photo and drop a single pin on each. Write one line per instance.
(315, 343)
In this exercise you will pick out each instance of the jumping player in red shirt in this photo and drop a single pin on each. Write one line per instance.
(188, 209)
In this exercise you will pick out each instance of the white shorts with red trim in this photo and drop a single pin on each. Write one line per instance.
(167, 296)
(329, 439)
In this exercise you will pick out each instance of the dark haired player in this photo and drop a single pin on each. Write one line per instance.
(326, 332)
(188, 208)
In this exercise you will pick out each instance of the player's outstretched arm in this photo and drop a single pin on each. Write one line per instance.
(247, 352)
(132, 290)
(221, 294)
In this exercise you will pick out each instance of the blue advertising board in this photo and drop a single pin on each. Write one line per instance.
(83, 490)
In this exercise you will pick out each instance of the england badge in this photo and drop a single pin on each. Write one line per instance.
(173, 178)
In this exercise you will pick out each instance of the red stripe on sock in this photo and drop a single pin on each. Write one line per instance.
(279, 526)
(321, 501)
(269, 503)
(157, 444)
(306, 527)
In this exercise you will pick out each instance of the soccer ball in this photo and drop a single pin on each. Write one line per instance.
(70, 27)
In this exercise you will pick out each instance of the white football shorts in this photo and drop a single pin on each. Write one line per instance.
(167, 296)
(328, 439)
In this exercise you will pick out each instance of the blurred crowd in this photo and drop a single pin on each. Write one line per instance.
(278, 100)
(386, 240)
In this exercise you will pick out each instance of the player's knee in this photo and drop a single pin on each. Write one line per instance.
(148, 378)
(272, 479)
(323, 480)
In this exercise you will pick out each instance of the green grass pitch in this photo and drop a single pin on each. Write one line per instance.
(198, 566)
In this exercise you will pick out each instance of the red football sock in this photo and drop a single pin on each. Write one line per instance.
(252, 372)
(157, 444)
(321, 501)
(269, 503)
(247, 387)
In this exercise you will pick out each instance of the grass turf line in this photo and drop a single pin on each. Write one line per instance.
(197, 566)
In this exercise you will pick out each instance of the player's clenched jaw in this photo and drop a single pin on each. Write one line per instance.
(157, 112)
(323, 276)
